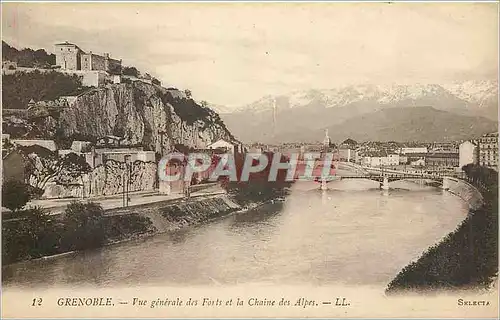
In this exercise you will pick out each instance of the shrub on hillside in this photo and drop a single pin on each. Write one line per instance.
(131, 71)
(123, 226)
(84, 225)
(32, 236)
(258, 187)
(187, 109)
(19, 88)
(15, 195)
(28, 57)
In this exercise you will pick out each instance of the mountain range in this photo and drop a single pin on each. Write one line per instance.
(430, 112)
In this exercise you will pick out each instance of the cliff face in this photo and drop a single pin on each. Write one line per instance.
(139, 112)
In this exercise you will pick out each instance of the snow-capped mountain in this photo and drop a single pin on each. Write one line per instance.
(470, 92)
(474, 91)
(291, 115)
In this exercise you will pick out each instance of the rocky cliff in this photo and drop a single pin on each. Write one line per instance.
(141, 113)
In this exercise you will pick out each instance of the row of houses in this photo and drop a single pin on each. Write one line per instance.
(97, 156)
(482, 151)
(434, 157)
(106, 148)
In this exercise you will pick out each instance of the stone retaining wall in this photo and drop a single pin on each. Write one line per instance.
(169, 216)
(465, 191)
(107, 179)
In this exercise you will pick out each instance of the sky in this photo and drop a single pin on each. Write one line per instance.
(232, 54)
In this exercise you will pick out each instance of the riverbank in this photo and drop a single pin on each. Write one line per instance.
(467, 258)
(137, 198)
(465, 191)
(119, 225)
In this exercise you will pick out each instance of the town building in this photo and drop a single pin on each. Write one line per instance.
(488, 150)
(349, 143)
(467, 153)
(408, 150)
(346, 154)
(98, 156)
(48, 144)
(123, 155)
(71, 57)
(444, 147)
(91, 61)
(420, 162)
(379, 159)
(437, 161)
(403, 159)
(95, 78)
(223, 145)
(8, 65)
(81, 146)
(109, 140)
(68, 56)
(347, 150)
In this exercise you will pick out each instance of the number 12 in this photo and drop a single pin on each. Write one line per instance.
(37, 302)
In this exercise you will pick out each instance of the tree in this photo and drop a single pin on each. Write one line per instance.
(19, 88)
(84, 225)
(258, 187)
(46, 166)
(15, 195)
(188, 93)
(30, 237)
(74, 166)
(131, 71)
(204, 104)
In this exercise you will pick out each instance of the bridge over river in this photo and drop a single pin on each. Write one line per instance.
(346, 170)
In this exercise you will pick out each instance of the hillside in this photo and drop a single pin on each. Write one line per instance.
(138, 112)
(411, 124)
(19, 88)
(325, 108)
(27, 57)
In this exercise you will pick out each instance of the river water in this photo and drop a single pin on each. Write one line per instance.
(353, 234)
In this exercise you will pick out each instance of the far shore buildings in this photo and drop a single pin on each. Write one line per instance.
(468, 153)
(379, 159)
(488, 150)
(226, 146)
(409, 150)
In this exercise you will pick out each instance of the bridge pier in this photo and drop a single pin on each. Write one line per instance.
(323, 184)
(385, 184)
(446, 184)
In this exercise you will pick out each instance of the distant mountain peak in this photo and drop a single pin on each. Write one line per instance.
(300, 113)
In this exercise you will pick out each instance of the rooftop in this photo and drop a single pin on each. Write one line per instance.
(66, 43)
(491, 134)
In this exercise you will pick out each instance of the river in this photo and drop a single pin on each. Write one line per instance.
(353, 234)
